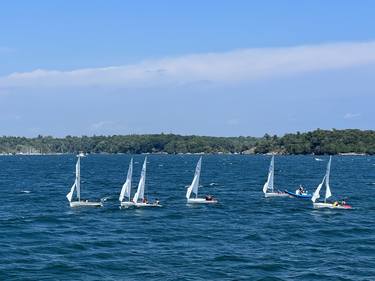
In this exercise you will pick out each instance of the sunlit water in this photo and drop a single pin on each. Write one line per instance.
(245, 237)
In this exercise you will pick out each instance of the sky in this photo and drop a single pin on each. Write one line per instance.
(218, 68)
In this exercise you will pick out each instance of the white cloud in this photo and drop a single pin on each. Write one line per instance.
(228, 67)
(351, 115)
(100, 125)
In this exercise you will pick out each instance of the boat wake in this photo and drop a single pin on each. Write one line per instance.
(105, 198)
(25, 191)
(319, 159)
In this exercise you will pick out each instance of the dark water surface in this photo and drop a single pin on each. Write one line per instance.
(245, 237)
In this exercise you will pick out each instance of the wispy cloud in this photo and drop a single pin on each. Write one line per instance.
(228, 67)
(100, 125)
(352, 115)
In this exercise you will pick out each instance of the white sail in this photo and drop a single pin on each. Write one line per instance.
(195, 183)
(126, 188)
(316, 194)
(76, 184)
(141, 185)
(78, 178)
(328, 189)
(70, 194)
(269, 182)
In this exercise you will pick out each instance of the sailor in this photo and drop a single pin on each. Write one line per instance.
(209, 198)
(300, 190)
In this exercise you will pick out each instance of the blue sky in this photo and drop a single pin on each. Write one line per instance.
(223, 68)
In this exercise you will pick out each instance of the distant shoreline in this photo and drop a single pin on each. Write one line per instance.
(318, 142)
(158, 153)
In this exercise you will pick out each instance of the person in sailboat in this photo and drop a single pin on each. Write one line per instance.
(209, 197)
(145, 200)
(157, 202)
(300, 190)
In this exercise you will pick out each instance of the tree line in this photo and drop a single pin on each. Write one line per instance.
(316, 142)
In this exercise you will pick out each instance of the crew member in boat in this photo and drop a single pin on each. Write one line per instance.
(157, 201)
(145, 200)
(343, 203)
(209, 198)
(300, 190)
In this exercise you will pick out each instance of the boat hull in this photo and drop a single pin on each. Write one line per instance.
(127, 204)
(141, 205)
(76, 204)
(276, 194)
(201, 201)
(300, 196)
(330, 206)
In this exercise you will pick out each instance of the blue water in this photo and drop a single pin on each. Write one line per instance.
(245, 237)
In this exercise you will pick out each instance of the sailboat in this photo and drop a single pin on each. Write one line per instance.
(325, 204)
(77, 186)
(268, 188)
(126, 188)
(193, 188)
(140, 194)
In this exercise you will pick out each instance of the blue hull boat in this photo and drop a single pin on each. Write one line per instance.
(300, 196)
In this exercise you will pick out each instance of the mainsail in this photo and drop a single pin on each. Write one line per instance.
(328, 194)
(316, 194)
(195, 183)
(328, 189)
(76, 184)
(126, 188)
(141, 185)
(269, 182)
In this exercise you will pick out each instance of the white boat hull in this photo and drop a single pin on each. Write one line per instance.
(276, 194)
(127, 204)
(201, 201)
(75, 204)
(141, 205)
(330, 206)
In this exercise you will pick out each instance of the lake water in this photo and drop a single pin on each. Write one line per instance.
(244, 237)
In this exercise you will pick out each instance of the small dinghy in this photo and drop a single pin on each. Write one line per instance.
(268, 188)
(193, 188)
(77, 186)
(300, 193)
(335, 205)
(126, 188)
(140, 194)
